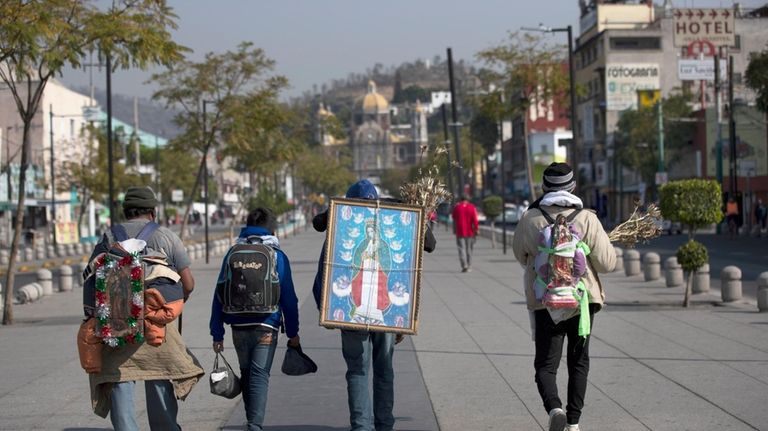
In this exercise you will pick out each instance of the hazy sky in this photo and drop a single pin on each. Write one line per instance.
(314, 41)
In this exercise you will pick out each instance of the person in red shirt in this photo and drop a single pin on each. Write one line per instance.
(465, 228)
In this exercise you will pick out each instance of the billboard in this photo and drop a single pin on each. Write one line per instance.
(623, 80)
(713, 25)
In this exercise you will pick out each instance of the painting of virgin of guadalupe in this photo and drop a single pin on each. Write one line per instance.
(373, 273)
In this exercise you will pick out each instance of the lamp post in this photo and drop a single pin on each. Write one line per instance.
(455, 122)
(572, 156)
(110, 163)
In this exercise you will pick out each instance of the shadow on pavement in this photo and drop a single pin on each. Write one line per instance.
(87, 429)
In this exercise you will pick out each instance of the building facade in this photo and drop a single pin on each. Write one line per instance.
(626, 46)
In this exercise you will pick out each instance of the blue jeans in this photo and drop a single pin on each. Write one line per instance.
(255, 347)
(161, 406)
(357, 347)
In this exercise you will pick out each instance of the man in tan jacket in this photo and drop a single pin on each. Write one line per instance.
(551, 327)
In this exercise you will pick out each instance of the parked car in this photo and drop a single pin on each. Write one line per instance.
(511, 215)
(670, 227)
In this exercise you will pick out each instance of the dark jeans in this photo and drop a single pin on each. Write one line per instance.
(549, 350)
(255, 347)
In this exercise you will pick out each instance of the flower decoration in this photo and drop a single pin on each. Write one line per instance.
(103, 265)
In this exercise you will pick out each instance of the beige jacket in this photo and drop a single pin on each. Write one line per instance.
(525, 245)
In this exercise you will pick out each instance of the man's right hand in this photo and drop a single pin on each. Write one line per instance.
(218, 346)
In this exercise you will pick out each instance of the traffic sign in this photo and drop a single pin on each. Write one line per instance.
(661, 178)
(177, 195)
(648, 98)
(713, 25)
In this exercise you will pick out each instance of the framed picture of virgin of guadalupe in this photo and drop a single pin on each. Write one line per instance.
(373, 263)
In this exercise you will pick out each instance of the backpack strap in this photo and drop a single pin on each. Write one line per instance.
(572, 215)
(548, 217)
(254, 239)
(147, 231)
(119, 232)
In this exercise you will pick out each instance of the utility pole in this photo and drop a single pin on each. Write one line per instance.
(157, 175)
(53, 181)
(660, 130)
(205, 181)
(449, 171)
(455, 122)
(110, 164)
(572, 84)
(731, 131)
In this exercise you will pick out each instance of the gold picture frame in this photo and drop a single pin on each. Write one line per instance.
(373, 266)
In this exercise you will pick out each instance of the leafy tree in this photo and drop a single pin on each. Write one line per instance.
(38, 38)
(691, 256)
(756, 77)
(492, 208)
(268, 197)
(90, 176)
(695, 203)
(323, 173)
(392, 179)
(522, 71)
(230, 82)
(637, 137)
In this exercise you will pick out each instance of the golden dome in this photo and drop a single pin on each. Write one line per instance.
(373, 102)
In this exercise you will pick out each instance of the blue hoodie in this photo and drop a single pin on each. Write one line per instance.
(289, 303)
(362, 189)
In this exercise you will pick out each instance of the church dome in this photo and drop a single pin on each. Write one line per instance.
(373, 102)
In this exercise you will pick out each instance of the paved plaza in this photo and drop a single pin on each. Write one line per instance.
(655, 366)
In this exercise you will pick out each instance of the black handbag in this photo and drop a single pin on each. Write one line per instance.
(224, 381)
(297, 363)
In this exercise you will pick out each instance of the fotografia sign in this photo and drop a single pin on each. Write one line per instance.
(713, 25)
(623, 80)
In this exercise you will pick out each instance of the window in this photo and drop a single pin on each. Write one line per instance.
(635, 43)
(737, 43)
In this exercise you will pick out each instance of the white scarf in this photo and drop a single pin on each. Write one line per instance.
(269, 240)
(561, 198)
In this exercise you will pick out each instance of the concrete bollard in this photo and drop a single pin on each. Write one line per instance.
(5, 256)
(730, 283)
(631, 263)
(762, 292)
(71, 251)
(29, 293)
(65, 278)
(29, 254)
(45, 279)
(701, 279)
(50, 252)
(651, 266)
(673, 272)
(61, 250)
(40, 253)
(82, 248)
(619, 259)
(79, 274)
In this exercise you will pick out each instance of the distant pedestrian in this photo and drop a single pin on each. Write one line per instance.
(559, 216)
(761, 214)
(732, 216)
(465, 227)
(256, 316)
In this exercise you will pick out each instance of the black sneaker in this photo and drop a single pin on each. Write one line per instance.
(557, 419)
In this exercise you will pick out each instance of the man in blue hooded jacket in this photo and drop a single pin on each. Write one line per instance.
(255, 338)
(359, 348)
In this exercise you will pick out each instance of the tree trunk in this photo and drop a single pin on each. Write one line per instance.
(10, 277)
(688, 281)
(183, 232)
(493, 234)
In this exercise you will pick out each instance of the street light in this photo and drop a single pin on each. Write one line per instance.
(571, 72)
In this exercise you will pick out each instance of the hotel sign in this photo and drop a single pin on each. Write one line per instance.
(713, 25)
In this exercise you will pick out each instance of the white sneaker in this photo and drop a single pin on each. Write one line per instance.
(557, 419)
(572, 428)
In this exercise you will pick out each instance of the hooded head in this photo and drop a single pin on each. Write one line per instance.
(558, 177)
(362, 189)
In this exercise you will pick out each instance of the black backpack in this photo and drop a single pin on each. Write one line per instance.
(251, 286)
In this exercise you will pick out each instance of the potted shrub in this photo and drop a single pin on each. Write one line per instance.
(695, 203)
